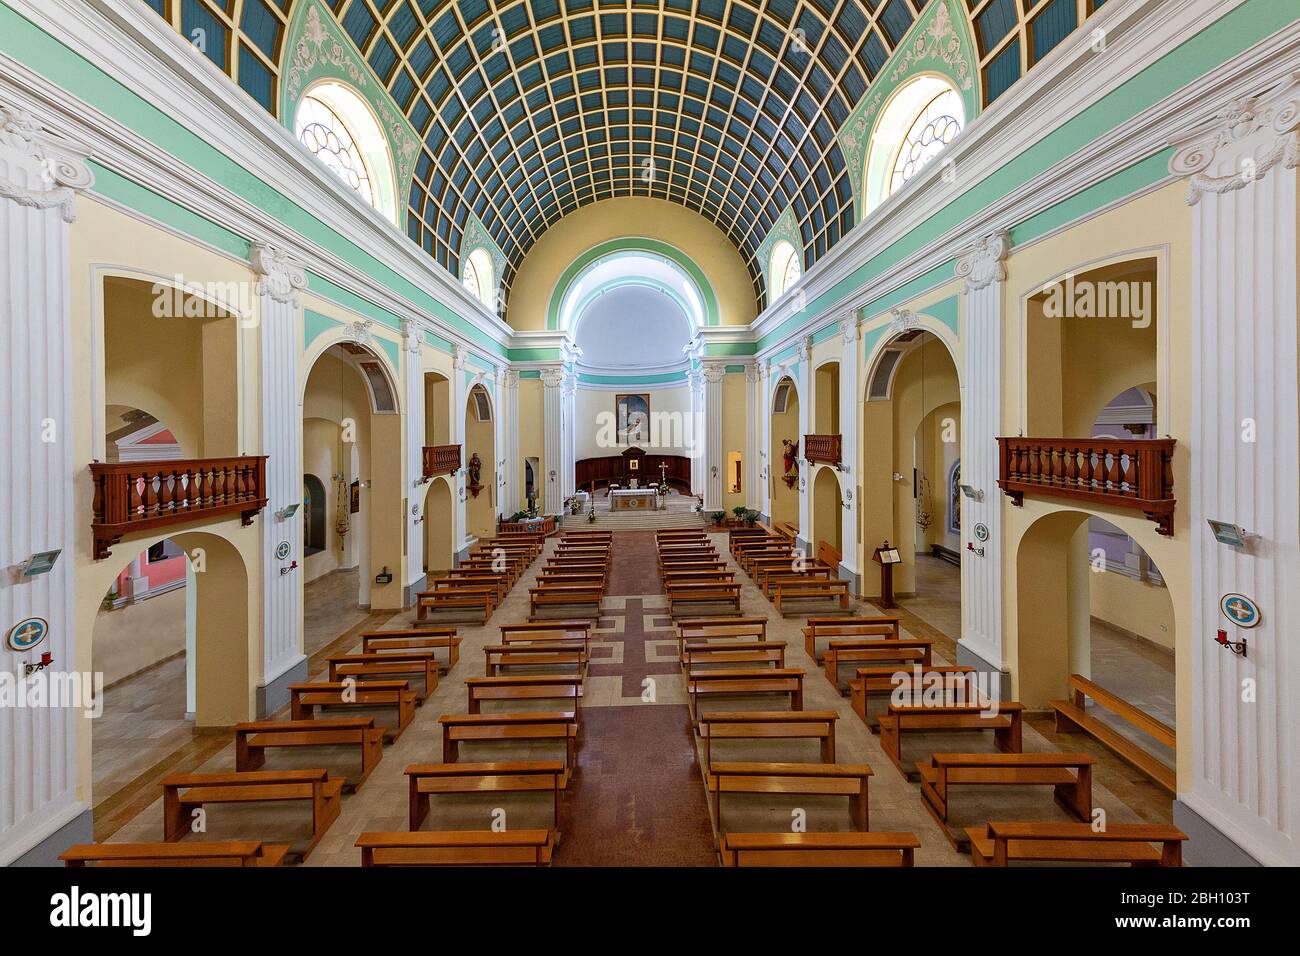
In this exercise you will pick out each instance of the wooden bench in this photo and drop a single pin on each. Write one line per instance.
(881, 680)
(458, 848)
(506, 776)
(591, 578)
(671, 578)
(705, 653)
(998, 844)
(1069, 776)
(749, 561)
(509, 728)
(867, 651)
(804, 779)
(415, 639)
(786, 529)
(548, 632)
(184, 793)
(770, 581)
(215, 853)
(252, 739)
(690, 564)
(397, 694)
(376, 666)
(811, 590)
(1072, 717)
(719, 629)
(565, 687)
(719, 592)
(569, 655)
(1005, 724)
(566, 596)
(818, 628)
(819, 849)
(816, 725)
(502, 580)
(745, 682)
(467, 595)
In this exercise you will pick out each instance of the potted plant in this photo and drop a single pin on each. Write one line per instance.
(751, 518)
(591, 515)
(739, 511)
(719, 517)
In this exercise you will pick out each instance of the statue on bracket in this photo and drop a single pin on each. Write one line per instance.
(475, 472)
(791, 458)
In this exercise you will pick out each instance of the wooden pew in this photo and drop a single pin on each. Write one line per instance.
(745, 682)
(1072, 717)
(671, 578)
(252, 739)
(720, 592)
(562, 687)
(186, 792)
(816, 725)
(1006, 726)
(506, 776)
(702, 654)
(810, 779)
(819, 849)
(869, 651)
(999, 844)
(565, 596)
(880, 681)
(539, 632)
(714, 629)
(568, 655)
(458, 848)
(509, 728)
(1069, 776)
(810, 590)
(770, 581)
(415, 639)
(574, 567)
(367, 667)
(818, 628)
(690, 564)
(457, 577)
(749, 561)
(372, 695)
(470, 596)
(214, 853)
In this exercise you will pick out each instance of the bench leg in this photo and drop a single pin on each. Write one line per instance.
(419, 803)
(858, 807)
(246, 757)
(828, 744)
(796, 697)
(450, 747)
(175, 819)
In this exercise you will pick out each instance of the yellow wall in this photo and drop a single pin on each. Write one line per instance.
(700, 240)
(1134, 606)
(785, 500)
(480, 511)
(532, 439)
(734, 438)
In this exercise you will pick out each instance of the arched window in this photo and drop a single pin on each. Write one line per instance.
(338, 129)
(784, 269)
(478, 278)
(920, 120)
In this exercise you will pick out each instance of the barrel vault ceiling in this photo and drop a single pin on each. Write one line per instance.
(529, 109)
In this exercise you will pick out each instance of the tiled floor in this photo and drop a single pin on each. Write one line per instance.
(638, 796)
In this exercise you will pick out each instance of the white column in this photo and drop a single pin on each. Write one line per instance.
(803, 354)
(413, 350)
(1245, 766)
(699, 436)
(39, 180)
(279, 280)
(982, 267)
(511, 466)
(714, 466)
(569, 434)
(753, 466)
(764, 395)
(459, 394)
(849, 391)
(552, 417)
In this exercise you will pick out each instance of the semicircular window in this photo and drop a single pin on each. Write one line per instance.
(338, 129)
(922, 119)
(785, 269)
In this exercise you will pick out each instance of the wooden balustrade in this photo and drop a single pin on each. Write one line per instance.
(441, 459)
(823, 448)
(1136, 474)
(140, 495)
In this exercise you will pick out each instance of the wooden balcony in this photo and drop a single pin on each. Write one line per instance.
(440, 460)
(142, 495)
(824, 448)
(1137, 474)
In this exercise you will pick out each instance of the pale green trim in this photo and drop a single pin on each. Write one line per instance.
(632, 380)
(786, 227)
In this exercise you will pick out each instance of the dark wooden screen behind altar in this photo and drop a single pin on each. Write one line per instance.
(616, 469)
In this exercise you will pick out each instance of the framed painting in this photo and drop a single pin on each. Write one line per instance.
(632, 413)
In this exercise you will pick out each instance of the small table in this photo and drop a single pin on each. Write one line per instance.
(632, 499)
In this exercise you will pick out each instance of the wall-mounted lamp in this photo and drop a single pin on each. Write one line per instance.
(971, 492)
(970, 546)
(42, 562)
(1237, 647)
(288, 511)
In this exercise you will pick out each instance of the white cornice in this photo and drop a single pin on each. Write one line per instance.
(134, 46)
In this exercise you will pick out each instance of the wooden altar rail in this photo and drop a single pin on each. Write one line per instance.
(440, 459)
(544, 527)
(140, 495)
(1136, 474)
(823, 448)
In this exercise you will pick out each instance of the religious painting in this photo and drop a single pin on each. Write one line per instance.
(954, 498)
(355, 503)
(632, 413)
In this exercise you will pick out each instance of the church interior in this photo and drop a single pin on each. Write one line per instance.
(649, 433)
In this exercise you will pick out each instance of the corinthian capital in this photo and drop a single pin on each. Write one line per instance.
(37, 169)
(982, 263)
(552, 377)
(278, 276)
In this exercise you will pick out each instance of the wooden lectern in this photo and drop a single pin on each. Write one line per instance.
(886, 557)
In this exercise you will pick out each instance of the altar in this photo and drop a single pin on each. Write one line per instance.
(632, 499)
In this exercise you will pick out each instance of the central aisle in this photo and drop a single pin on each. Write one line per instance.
(638, 798)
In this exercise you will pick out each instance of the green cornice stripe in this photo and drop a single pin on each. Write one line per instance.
(630, 380)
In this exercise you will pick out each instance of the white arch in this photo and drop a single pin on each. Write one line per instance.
(922, 117)
(338, 127)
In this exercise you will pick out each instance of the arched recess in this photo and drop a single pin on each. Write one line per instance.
(911, 435)
(826, 397)
(437, 409)
(785, 443)
(352, 431)
(826, 504)
(480, 478)
(439, 550)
